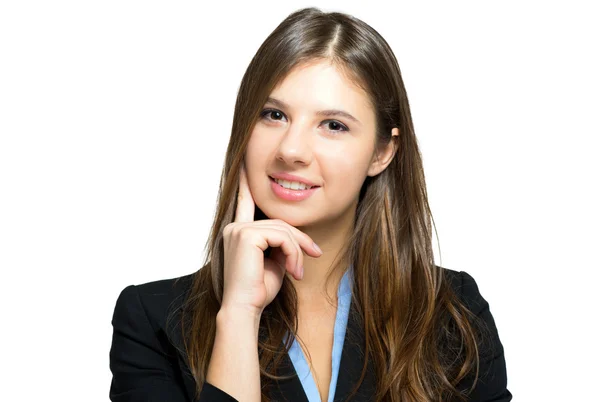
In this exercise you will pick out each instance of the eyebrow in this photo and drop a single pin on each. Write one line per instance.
(328, 112)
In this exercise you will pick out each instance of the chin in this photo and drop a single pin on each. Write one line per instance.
(288, 216)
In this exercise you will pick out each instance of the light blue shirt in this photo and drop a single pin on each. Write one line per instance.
(339, 332)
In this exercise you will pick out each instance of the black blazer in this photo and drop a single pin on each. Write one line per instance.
(146, 365)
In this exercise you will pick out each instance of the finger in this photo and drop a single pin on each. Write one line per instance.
(292, 239)
(304, 241)
(280, 259)
(244, 211)
(276, 237)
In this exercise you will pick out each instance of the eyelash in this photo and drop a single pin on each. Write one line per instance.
(265, 112)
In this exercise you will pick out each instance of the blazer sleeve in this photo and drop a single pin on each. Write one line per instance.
(491, 384)
(140, 364)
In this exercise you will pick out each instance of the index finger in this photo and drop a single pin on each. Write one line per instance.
(244, 211)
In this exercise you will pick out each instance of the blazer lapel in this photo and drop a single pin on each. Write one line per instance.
(291, 390)
(287, 390)
(351, 365)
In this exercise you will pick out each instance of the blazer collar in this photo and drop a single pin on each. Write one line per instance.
(350, 367)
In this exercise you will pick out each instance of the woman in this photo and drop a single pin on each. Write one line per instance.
(323, 231)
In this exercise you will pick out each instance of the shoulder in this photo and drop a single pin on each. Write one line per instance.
(492, 377)
(152, 302)
(465, 286)
(147, 356)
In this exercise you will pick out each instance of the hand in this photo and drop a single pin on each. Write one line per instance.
(251, 280)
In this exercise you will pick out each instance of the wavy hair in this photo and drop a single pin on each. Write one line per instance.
(420, 337)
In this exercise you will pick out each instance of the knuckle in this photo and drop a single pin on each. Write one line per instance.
(236, 230)
(244, 232)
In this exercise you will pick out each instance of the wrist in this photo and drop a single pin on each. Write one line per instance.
(238, 316)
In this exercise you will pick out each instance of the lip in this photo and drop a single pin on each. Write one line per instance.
(291, 195)
(291, 177)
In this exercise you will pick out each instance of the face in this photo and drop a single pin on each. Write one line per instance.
(335, 151)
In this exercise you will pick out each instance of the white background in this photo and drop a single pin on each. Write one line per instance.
(115, 117)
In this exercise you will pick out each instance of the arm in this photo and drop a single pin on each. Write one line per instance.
(234, 365)
(491, 383)
(139, 363)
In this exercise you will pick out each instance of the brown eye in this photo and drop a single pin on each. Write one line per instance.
(275, 115)
(271, 113)
(338, 125)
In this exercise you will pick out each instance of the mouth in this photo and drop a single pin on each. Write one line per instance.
(290, 189)
(288, 194)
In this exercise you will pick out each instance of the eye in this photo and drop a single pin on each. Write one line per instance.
(270, 112)
(266, 114)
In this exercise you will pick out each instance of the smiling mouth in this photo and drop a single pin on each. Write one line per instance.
(292, 189)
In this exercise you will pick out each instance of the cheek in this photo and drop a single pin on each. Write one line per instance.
(342, 188)
(344, 172)
(258, 147)
(257, 161)
(253, 157)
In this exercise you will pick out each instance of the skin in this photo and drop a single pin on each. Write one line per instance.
(296, 140)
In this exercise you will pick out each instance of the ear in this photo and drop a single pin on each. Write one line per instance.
(383, 157)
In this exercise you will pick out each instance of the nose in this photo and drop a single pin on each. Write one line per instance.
(295, 146)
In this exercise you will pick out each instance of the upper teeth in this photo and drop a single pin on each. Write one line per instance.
(293, 185)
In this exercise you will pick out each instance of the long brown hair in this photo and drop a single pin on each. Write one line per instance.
(407, 307)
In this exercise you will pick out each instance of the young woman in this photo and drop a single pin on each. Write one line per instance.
(322, 232)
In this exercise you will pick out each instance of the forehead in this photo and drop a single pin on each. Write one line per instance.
(321, 85)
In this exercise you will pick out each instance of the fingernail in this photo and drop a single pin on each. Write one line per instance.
(317, 248)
